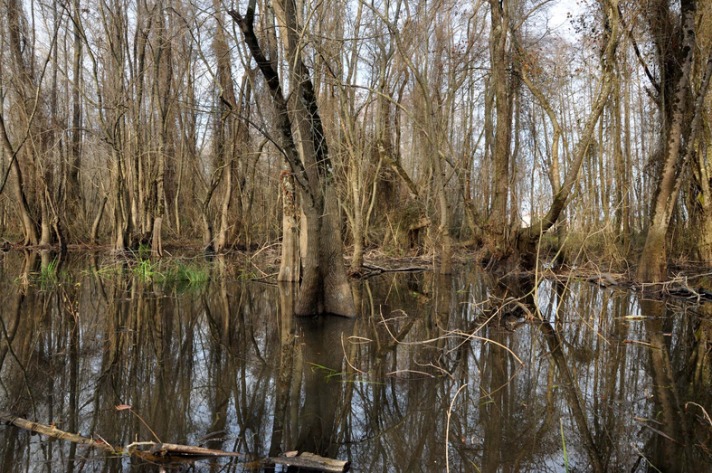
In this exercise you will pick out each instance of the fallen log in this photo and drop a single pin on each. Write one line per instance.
(397, 269)
(604, 279)
(312, 462)
(157, 451)
(54, 432)
(171, 452)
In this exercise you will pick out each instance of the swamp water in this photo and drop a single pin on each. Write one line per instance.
(437, 374)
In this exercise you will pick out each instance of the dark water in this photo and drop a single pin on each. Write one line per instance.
(437, 374)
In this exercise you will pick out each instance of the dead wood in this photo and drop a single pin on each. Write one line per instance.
(370, 269)
(176, 450)
(604, 279)
(54, 432)
(683, 291)
(312, 462)
(171, 452)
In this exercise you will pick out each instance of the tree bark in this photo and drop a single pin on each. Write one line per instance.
(97, 221)
(324, 287)
(652, 266)
(289, 269)
(30, 231)
(501, 62)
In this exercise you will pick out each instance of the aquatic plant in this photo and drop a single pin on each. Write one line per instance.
(329, 373)
(147, 271)
(164, 271)
(192, 274)
(144, 251)
(109, 270)
(49, 275)
(563, 444)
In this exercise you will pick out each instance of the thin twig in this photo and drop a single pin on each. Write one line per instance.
(447, 427)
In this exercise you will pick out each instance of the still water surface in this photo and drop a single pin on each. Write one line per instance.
(436, 374)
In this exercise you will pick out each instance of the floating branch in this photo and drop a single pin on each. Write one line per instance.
(54, 432)
(310, 461)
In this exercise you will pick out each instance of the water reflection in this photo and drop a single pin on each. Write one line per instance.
(437, 369)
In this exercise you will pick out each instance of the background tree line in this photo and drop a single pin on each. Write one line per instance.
(430, 124)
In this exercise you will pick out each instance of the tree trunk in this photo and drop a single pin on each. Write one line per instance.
(221, 238)
(45, 228)
(97, 221)
(324, 286)
(162, 87)
(703, 211)
(289, 268)
(121, 222)
(225, 128)
(73, 189)
(501, 62)
(652, 267)
(29, 230)
(443, 232)
(357, 256)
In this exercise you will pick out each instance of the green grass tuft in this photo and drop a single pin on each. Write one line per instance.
(192, 274)
(48, 276)
(147, 271)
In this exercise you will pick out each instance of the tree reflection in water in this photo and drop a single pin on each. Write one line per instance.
(226, 366)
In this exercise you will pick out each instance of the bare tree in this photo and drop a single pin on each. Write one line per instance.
(324, 286)
(682, 120)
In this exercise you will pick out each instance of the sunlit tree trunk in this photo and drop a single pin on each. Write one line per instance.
(162, 87)
(704, 203)
(701, 165)
(679, 133)
(290, 267)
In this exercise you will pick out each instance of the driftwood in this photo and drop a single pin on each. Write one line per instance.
(605, 279)
(54, 432)
(369, 269)
(312, 462)
(403, 269)
(171, 452)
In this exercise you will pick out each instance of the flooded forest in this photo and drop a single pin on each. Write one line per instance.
(365, 235)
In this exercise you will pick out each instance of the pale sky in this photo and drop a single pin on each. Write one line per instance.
(558, 11)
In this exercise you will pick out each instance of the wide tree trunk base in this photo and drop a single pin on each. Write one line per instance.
(704, 241)
(653, 260)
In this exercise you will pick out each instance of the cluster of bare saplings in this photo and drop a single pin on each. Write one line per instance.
(398, 125)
